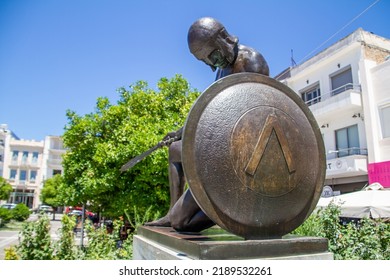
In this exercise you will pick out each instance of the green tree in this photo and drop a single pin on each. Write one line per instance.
(101, 142)
(5, 189)
(51, 194)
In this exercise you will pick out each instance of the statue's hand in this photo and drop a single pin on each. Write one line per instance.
(172, 136)
(169, 135)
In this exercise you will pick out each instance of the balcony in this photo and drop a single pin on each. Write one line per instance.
(352, 165)
(343, 99)
(56, 162)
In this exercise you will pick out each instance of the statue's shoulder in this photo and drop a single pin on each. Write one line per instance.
(250, 60)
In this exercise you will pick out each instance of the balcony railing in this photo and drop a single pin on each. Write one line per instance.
(54, 161)
(349, 152)
(326, 96)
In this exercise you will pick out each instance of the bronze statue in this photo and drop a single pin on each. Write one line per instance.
(208, 41)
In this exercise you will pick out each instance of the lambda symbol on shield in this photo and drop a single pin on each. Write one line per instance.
(271, 125)
(264, 161)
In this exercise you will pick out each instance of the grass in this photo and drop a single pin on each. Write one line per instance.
(12, 226)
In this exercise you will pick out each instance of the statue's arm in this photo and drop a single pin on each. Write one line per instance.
(176, 135)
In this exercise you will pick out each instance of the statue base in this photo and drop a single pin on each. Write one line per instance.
(164, 243)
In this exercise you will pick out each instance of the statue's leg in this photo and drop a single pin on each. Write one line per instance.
(176, 182)
(176, 173)
(186, 215)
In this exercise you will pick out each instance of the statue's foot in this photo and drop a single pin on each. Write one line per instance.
(162, 222)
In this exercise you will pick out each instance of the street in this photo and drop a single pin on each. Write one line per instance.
(9, 238)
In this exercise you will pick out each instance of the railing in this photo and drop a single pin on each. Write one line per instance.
(54, 161)
(349, 151)
(349, 86)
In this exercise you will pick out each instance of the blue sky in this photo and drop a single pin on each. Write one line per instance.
(64, 54)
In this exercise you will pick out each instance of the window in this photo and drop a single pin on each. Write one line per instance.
(384, 113)
(15, 155)
(1, 159)
(23, 175)
(12, 175)
(311, 95)
(347, 141)
(55, 172)
(56, 144)
(341, 81)
(24, 157)
(33, 175)
(34, 158)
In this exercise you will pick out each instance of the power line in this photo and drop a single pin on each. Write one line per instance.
(355, 18)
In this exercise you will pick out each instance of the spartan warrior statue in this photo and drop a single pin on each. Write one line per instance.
(208, 41)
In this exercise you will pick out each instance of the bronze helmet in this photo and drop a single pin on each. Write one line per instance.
(207, 35)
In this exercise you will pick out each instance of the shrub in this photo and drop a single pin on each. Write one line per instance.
(11, 253)
(367, 239)
(65, 247)
(35, 242)
(5, 216)
(101, 244)
(20, 212)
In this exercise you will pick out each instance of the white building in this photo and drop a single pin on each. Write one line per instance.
(347, 88)
(26, 164)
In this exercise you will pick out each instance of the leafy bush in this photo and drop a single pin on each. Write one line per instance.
(20, 212)
(11, 253)
(35, 242)
(108, 246)
(5, 216)
(65, 247)
(365, 240)
(101, 245)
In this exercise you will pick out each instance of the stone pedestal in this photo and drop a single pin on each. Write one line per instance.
(162, 243)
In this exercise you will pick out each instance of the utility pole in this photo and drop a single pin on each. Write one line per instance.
(82, 226)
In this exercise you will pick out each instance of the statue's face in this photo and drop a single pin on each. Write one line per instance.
(213, 57)
(217, 59)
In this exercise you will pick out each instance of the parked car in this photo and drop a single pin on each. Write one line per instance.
(45, 209)
(70, 209)
(75, 213)
(8, 205)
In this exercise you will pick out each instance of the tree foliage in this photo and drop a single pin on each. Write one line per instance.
(5, 189)
(99, 143)
(50, 193)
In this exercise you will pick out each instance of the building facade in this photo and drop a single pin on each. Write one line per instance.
(26, 164)
(347, 88)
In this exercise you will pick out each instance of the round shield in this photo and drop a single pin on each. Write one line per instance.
(253, 156)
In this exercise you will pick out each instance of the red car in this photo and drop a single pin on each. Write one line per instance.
(69, 209)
